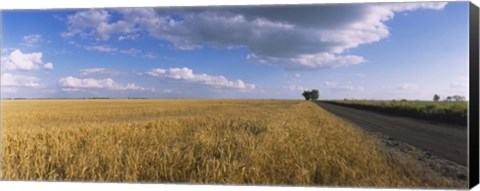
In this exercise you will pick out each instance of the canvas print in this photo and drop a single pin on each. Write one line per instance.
(321, 95)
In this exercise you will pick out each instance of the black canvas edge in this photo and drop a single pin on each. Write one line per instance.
(473, 134)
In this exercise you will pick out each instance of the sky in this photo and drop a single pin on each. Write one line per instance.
(353, 51)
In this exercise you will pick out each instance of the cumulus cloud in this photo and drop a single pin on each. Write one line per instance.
(48, 66)
(310, 61)
(11, 80)
(295, 37)
(348, 86)
(75, 84)
(6, 50)
(413, 6)
(32, 40)
(186, 75)
(94, 23)
(18, 60)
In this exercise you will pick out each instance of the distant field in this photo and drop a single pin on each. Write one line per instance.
(450, 112)
(196, 141)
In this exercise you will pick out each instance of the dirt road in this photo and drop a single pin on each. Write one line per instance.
(444, 140)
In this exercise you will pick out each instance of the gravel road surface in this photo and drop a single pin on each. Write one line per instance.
(443, 140)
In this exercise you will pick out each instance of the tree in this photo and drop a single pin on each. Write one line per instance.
(311, 95)
(314, 94)
(307, 95)
(449, 98)
(458, 98)
(455, 98)
(436, 97)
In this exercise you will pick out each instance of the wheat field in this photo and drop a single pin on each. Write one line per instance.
(263, 142)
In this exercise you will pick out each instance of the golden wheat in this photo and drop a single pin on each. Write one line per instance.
(195, 141)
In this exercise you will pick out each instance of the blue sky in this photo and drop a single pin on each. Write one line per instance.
(359, 51)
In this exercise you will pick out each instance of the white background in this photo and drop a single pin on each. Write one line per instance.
(84, 186)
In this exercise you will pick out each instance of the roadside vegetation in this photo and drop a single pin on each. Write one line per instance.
(442, 111)
(197, 141)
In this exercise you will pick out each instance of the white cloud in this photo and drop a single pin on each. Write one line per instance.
(458, 85)
(99, 72)
(408, 86)
(405, 90)
(310, 61)
(7, 50)
(409, 90)
(167, 91)
(461, 83)
(11, 80)
(295, 88)
(150, 55)
(48, 66)
(400, 87)
(129, 37)
(93, 71)
(101, 48)
(313, 37)
(186, 75)
(75, 84)
(348, 86)
(131, 52)
(157, 72)
(71, 89)
(94, 23)
(398, 7)
(32, 40)
(110, 49)
(17, 60)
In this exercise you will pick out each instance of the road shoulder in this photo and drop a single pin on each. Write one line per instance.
(440, 167)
